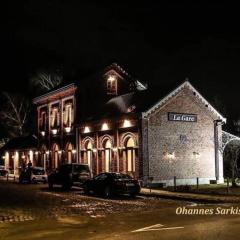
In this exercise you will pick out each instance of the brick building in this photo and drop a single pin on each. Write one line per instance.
(111, 121)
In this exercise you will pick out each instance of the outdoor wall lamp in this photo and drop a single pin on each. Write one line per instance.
(126, 123)
(86, 129)
(105, 127)
(74, 151)
(54, 131)
(115, 149)
(43, 133)
(67, 129)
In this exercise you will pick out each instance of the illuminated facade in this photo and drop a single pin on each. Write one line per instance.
(112, 122)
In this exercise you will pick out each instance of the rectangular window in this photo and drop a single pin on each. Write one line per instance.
(112, 85)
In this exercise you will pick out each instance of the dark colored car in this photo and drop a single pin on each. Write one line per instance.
(108, 184)
(33, 175)
(3, 172)
(69, 175)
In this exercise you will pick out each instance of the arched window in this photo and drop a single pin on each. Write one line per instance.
(107, 150)
(43, 158)
(55, 156)
(89, 148)
(130, 154)
(68, 115)
(69, 153)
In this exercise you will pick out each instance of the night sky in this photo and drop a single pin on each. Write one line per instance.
(158, 43)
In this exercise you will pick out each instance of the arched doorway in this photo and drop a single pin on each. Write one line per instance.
(55, 156)
(69, 153)
(231, 160)
(107, 155)
(89, 148)
(130, 155)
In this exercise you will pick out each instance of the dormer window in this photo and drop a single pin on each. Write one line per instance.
(112, 85)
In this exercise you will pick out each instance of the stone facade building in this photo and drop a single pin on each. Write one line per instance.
(112, 122)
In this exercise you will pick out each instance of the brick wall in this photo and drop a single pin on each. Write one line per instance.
(191, 143)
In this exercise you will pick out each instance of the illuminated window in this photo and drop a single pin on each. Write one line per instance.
(112, 85)
(107, 149)
(130, 155)
(55, 120)
(43, 122)
(68, 115)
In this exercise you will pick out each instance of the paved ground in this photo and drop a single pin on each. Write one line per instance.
(32, 212)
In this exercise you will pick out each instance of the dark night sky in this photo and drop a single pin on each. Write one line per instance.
(159, 43)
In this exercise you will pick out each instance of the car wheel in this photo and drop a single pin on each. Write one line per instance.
(50, 185)
(107, 192)
(85, 190)
(133, 195)
(66, 186)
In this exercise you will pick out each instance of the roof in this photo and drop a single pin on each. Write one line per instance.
(56, 90)
(147, 101)
(21, 143)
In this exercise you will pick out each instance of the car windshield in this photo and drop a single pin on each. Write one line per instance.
(121, 176)
(36, 171)
(80, 168)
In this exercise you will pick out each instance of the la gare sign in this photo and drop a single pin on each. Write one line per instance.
(182, 117)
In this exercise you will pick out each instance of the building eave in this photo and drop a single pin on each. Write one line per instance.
(61, 89)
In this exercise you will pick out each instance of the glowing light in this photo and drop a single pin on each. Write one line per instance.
(36, 153)
(115, 149)
(171, 155)
(54, 131)
(196, 154)
(105, 127)
(3, 157)
(86, 129)
(111, 78)
(68, 129)
(31, 155)
(94, 150)
(23, 156)
(47, 152)
(74, 151)
(59, 152)
(126, 123)
(43, 133)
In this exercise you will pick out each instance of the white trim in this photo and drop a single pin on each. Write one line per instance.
(175, 92)
(140, 86)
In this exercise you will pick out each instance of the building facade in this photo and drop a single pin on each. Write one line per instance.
(112, 122)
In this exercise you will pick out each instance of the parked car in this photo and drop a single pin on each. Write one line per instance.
(33, 175)
(69, 175)
(3, 171)
(108, 184)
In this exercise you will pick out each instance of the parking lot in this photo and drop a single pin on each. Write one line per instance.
(31, 211)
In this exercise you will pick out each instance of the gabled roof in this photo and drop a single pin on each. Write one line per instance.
(175, 92)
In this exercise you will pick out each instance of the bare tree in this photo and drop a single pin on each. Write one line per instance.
(15, 113)
(46, 80)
